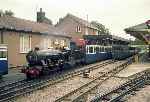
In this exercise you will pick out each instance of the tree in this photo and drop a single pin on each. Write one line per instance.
(102, 29)
(6, 13)
(137, 42)
(9, 13)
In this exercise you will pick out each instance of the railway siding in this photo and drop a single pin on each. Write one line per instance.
(140, 96)
(60, 85)
(42, 83)
(83, 91)
(58, 90)
(118, 92)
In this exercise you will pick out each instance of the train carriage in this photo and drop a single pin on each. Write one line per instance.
(3, 59)
(96, 53)
(97, 48)
(102, 47)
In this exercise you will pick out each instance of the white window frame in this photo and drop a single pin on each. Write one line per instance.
(78, 28)
(47, 43)
(62, 43)
(3, 48)
(22, 43)
(56, 42)
(50, 43)
(88, 49)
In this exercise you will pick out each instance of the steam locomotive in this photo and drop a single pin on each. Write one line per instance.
(42, 62)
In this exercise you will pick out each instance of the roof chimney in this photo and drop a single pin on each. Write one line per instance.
(40, 15)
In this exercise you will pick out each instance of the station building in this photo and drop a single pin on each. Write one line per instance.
(76, 27)
(22, 35)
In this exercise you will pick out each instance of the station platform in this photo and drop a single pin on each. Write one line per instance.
(144, 58)
(133, 69)
(13, 75)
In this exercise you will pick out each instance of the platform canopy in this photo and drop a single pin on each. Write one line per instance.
(140, 31)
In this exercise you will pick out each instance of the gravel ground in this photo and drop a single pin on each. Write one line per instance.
(106, 86)
(143, 95)
(52, 93)
(108, 67)
(133, 69)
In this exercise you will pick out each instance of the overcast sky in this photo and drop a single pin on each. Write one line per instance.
(114, 14)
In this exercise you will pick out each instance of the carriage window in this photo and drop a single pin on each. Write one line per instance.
(109, 49)
(102, 49)
(87, 49)
(106, 49)
(97, 49)
(3, 54)
(94, 49)
(90, 49)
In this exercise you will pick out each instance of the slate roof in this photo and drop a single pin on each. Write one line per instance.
(18, 24)
(81, 21)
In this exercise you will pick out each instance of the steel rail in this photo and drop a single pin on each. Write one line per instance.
(133, 83)
(31, 87)
(74, 95)
(15, 83)
(117, 98)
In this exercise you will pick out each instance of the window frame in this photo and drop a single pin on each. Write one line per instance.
(62, 43)
(22, 43)
(88, 49)
(78, 29)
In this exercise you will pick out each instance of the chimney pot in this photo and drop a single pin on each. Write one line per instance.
(40, 9)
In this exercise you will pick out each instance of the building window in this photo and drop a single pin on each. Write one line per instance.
(47, 43)
(78, 29)
(56, 42)
(62, 43)
(25, 43)
(50, 43)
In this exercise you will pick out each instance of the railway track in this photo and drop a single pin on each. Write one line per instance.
(21, 87)
(78, 94)
(116, 95)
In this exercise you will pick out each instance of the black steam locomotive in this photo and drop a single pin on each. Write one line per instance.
(42, 62)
